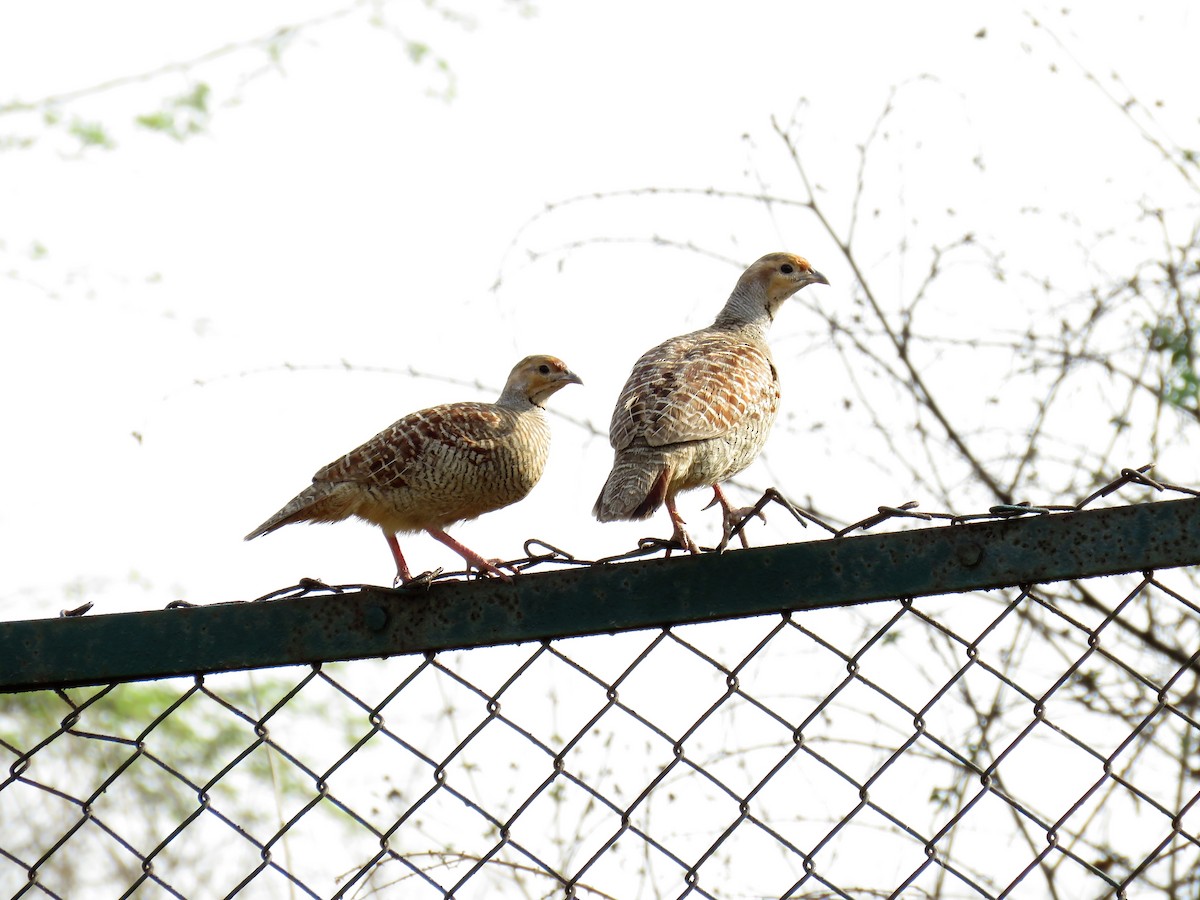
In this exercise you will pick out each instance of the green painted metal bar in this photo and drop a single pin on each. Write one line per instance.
(599, 599)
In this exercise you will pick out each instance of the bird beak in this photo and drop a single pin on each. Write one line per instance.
(569, 377)
(815, 277)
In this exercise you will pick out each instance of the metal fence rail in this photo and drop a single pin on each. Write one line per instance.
(724, 726)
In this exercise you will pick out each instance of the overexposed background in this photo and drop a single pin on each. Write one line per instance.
(193, 324)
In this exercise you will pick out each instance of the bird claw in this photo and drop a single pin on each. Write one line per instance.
(479, 567)
(654, 545)
(679, 535)
(736, 519)
(490, 567)
(683, 541)
(733, 521)
(665, 545)
(744, 514)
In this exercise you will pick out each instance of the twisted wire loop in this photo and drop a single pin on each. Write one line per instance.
(1036, 741)
(541, 554)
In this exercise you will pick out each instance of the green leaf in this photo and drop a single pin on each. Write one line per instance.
(157, 121)
(91, 134)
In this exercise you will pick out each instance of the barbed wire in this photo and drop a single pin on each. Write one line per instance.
(1069, 728)
(544, 554)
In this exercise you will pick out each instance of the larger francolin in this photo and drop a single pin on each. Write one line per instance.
(439, 466)
(697, 408)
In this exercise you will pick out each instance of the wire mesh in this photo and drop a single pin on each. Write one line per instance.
(1035, 741)
(964, 747)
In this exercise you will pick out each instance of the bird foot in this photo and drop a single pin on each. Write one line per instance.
(736, 519)
(669, 545)
(472, 559)
(683, 541)
(489, 567)
(679, 534)
(733, 521)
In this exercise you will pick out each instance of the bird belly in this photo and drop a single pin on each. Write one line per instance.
(720, 458)
(456, 491)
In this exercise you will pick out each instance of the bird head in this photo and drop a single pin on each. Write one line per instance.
(766, 284)
(782, 274)
(536, 378)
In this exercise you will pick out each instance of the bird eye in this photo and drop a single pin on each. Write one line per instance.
(544, 369)
(786, 269)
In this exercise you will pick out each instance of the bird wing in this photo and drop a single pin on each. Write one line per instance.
(694, 387)
(455, 433)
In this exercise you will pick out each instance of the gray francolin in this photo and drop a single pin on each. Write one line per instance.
(439, 466)
(697, 409)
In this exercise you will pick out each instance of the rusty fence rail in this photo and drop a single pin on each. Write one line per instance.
(1014, 715)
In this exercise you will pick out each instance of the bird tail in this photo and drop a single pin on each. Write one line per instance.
(636, 487)
(316, 503)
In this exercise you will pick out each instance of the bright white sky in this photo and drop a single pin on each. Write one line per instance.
(337, 212)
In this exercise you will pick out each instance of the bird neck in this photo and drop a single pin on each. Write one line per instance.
(746, 309)
(515, 398)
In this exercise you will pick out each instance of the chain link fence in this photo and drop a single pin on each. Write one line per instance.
(1037, 741)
